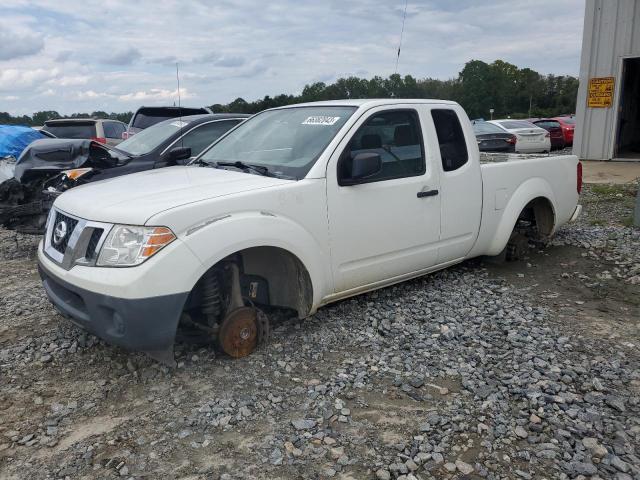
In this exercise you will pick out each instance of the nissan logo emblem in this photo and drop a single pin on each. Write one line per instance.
(59, 232)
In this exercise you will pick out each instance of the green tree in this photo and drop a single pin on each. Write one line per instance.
(40, 117)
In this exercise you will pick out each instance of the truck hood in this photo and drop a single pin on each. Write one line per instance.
(133, 199)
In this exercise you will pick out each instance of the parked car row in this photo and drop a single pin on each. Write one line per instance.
(48, 167)
(534, 135)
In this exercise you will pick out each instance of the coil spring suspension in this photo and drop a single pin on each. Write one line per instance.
(211, 305)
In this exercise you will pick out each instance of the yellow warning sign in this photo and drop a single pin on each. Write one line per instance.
(600, 94)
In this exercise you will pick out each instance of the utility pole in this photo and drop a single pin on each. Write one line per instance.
(530, 100)
(491, 113)
(636, 212)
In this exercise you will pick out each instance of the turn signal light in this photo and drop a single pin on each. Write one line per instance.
(160, 237)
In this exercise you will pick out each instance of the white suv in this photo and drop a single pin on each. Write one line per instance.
(109, 132)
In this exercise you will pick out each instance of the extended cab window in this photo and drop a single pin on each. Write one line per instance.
(396, 137)
(453, 145)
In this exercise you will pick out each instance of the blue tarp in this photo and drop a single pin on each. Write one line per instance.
(15, 138)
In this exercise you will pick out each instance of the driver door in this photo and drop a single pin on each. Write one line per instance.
(386, 225)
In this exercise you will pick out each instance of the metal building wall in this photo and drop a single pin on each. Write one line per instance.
(611, 33)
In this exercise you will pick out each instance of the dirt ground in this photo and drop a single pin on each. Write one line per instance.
(336, 395)
(610, 172)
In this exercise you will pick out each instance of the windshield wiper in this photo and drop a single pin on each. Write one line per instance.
(259, 169)
(199, 161)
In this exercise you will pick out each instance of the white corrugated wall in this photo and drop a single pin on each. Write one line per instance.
(611, 32)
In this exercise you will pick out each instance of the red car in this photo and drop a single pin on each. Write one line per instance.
(568, 124)
(555, 130)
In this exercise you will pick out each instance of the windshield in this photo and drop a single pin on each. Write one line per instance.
(146, 117)
(287, 141)
(72, 129)
(548, 124)
(484, 128)
(514, 124)
(150, 138)
(569, 120)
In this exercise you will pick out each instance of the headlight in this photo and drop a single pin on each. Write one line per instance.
(76, 173)
(129, 245)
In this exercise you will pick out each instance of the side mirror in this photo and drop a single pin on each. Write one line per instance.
(363, 165)
(179, 153)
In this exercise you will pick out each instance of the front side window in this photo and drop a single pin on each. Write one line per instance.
(285, 141)
(152, 137)
(396, 137)
(204, 135)
(451, 139)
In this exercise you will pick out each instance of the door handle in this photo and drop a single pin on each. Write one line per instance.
(428, 193)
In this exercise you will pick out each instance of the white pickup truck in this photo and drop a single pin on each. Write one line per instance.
(297, 207)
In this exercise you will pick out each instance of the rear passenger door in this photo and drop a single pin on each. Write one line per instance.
(460, 182)
(387, 225)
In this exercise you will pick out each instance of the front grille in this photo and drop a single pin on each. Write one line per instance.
(93, 244)
(70, 223)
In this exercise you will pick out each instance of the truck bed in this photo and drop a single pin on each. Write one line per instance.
(510, 181)
(489, 157)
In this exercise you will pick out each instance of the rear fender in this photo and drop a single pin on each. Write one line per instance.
(527, 191)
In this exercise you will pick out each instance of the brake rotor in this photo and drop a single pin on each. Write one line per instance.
(239, 332)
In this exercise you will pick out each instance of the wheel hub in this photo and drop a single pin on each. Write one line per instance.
(238, 334)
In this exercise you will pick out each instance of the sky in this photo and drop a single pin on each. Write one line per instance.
(112, 55)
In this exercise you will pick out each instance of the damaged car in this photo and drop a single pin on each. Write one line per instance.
(50, 167)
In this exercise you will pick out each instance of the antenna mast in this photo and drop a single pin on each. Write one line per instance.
(179, 105)
(404, 17)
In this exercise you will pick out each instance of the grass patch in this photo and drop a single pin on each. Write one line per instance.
(628, 222)
(606, 189)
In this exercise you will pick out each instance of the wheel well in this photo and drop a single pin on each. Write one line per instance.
(537, 220)
(269, 276)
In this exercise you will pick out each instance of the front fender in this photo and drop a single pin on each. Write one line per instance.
(529, 190)
(228, 234)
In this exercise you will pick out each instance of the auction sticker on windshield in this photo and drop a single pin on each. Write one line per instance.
(320, 120)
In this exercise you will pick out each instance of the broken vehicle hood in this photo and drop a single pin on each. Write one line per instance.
(133, 199)
(50, 156)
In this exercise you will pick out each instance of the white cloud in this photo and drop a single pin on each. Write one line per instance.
(14, 44)
(19, 79)
(90, 94)
(157, 94)
(69, 80)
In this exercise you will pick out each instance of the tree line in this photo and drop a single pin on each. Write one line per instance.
(479, 87)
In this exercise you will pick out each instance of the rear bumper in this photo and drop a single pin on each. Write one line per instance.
(533, 147)
(146, 324)
(576, 213)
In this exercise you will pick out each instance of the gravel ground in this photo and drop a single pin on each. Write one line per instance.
(525, 370)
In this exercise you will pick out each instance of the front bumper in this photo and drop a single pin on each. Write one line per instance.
(146, 324)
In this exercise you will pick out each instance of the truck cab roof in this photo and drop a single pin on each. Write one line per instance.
(371, 102)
